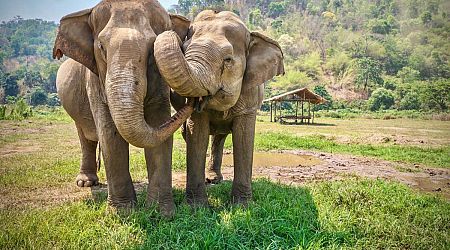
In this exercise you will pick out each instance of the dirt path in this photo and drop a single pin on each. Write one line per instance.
(291, 167)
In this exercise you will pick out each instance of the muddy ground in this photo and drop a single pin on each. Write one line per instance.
(296, 167)
(291, 167)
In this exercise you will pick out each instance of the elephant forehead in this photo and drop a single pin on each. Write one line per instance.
(130, 14)
(232, 32)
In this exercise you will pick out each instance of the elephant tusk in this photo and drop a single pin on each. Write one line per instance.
(99, 157)
(200, 103)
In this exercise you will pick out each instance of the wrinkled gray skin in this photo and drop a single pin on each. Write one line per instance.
(225, 61)
(112, 89)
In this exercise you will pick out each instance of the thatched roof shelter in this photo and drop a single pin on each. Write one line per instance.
(298, 96)
(302, 94)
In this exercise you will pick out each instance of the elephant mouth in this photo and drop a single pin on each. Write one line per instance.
(200, 103)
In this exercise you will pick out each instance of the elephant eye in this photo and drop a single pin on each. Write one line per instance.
(102, 50)
(228, 59)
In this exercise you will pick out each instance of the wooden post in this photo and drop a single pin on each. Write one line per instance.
(270, 111)
(314, 105)
(302, 112)
(281, 110)
(309, 112)
(296, 111)
(275, 109)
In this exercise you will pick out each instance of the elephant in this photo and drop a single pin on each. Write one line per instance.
(114, 92)
(226, 65)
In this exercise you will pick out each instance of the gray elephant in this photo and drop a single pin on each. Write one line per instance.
(226, 65)
(112, 89)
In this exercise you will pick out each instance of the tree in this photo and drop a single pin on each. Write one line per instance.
(411, 101)
(436, 95)
(368, 72)
(255, 17)
(10, 85)
(276, 9)
(381, 99)
(322, 91)
(426, 17)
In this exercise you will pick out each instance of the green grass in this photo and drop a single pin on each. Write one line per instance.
(353, 213)
(439, 157)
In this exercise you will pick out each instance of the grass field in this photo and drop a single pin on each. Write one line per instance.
(42, 208)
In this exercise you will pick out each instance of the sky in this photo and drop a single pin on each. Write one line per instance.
(51, 10)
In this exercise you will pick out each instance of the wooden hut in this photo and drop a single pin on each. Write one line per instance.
(299, 97)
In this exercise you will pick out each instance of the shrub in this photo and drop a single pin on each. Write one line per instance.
(410, 101)
(38, 97)
(435, 95)
(19, 109)
(381, 99)
(53, 100)
(2, 112)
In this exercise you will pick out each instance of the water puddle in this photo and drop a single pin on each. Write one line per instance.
(269, 159)
(431, 185)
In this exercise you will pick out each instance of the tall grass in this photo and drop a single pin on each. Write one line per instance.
(353, 213)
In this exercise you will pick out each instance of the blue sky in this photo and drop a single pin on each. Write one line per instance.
(51, 10)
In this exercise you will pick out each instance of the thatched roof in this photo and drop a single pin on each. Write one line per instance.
(302, 94)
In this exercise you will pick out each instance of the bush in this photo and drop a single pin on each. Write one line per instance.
(38, 97)
(19, 109)
(410, 101)
(381, 99)
(53, 100)
(435, 95)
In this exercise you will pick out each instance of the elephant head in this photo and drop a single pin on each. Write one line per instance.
(221, 59)
(115, 41)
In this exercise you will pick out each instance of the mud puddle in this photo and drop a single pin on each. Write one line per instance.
(270, 159)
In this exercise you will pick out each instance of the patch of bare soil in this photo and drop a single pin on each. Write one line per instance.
(19, 150)
(45, 196)
(388, 139)
(295, 167)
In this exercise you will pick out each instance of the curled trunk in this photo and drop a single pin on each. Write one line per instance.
(191, 76)
(126, 88)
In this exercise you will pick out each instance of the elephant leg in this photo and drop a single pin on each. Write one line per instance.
(159, 165)
(197, 135)
(115, 151)
(88, 167)
(215, 160)
(243, 139)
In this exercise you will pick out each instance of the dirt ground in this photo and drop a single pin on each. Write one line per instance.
(296, 167)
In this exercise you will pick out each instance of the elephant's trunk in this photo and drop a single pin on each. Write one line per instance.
(192, 76)
(126, 87)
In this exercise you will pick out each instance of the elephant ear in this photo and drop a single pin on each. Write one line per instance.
(75, 39)
(180, 25)
(264, 61)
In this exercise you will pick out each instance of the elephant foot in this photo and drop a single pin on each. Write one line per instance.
(165, 206)
(122, 208)
(241, 200)
(241, 195)
(87, 180)
(195, 199)
(214, 177)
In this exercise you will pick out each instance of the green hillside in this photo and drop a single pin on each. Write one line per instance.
(26, 65)
(395, 49)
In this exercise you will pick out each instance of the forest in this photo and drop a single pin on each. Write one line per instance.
(365, 55)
